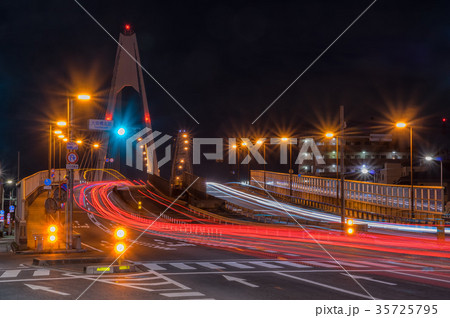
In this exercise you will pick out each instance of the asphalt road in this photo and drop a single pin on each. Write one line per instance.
(234, 265)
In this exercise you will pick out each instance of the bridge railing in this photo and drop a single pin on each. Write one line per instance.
(427, 199)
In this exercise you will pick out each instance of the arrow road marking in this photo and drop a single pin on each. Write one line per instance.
(370, 279)
(47, 289)
(239, 280)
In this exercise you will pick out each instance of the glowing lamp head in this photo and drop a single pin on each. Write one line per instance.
(58, 132)
(350, 230)
(121, 131)
(428, 158)
(350, 222)
(185, 136)
(127, 27)
(364, 170)
(61, 123)
(52, 238)
(119, 248)
(329, 135)
(9, 182)
(234, 146)
(84, 97)
(60, 136)
(284, 139)
(120, 233)
(186, 141)
(259, 142)
(79, 141)
(96, 145)
(400, 124)
(52, 228)
(65, 139)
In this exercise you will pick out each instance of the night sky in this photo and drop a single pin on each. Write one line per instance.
(225, 62)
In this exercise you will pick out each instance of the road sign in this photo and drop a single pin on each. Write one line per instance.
(52, 175)
(47, 187)
(72, 158)
(72, 146)
(2, 216)
(47, 182)
(12, 208)
(71, 166)
(8, 218)
(98, 124)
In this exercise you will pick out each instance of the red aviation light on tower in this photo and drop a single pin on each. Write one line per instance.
(127, 29)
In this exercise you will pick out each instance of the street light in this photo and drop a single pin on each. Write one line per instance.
(259, 142)
(401, 125)
(284, 139)
(61, 124)
(244, 144)
(430, 158)
(340, 184)
(69, 206)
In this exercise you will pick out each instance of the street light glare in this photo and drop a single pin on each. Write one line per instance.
(61, 123)
(329, 135)
(428, 158)
(9, 181)
(364, 170)
(58, 132)
(60, 136)
(121, 131)
(96, 145)
(234, 146)
(400, 124)
(284, 139)
(79, 141)
(259, 142)
(65, 139)
(84, 97)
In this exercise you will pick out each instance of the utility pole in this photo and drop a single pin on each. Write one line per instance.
(342, 138)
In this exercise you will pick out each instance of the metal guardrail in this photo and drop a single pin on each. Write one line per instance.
(426, 199)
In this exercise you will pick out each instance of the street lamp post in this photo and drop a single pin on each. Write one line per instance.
(69, 206)
(264, 157)
(430, 158)
(403, 125)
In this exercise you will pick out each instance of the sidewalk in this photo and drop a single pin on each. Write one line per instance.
(5, 243)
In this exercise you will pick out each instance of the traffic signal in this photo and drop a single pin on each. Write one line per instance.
(350, 227)
(119, 248)
(52, 229)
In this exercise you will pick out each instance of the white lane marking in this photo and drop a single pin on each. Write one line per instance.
(267, 265)
(406, 264)
(350, 264)
(41, 272)
(420, 276)
(181, 266)
(370, 279)
(183, 294)
(326, 286)
(47, 289)
(320, 264)
(237, 265)
(239, 280)
(91, 247)
(293, 264)
(154, 267)
(210, 265)
(376, 264)
(10, 273)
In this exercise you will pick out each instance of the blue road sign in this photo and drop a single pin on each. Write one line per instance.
(299, 175)
(47, 182)
(2, 215)
(12, 208)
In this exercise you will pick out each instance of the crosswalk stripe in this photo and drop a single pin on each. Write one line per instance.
(237, 265)
(41, 272)
(267, 265)
(154, 267)
(182, 294)
(293, 264)
(210, 265)
(321, 264)
(10, 273)
(182, 266)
